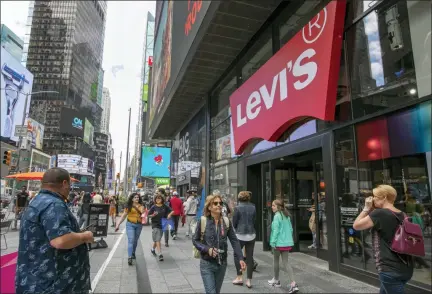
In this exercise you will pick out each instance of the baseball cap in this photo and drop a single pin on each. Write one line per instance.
(175, 193)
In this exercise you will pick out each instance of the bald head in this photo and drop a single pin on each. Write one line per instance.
(57, 180)
(55, 176)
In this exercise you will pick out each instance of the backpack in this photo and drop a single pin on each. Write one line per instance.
(203, 220)
(408, 238)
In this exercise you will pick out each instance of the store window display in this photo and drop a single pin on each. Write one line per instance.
(224, 179)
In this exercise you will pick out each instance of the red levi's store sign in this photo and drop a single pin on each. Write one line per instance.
(299, 81)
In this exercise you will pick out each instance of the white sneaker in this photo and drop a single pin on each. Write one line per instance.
(312, 246)
(174, 237)
(275, 283)
(293, 288)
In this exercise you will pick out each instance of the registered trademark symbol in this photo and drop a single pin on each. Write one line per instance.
(313, 29)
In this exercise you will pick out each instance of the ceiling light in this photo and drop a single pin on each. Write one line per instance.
(413, 91)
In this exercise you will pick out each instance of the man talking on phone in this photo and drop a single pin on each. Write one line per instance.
(52, 252)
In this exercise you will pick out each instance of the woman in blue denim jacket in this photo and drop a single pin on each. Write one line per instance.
(213, 245)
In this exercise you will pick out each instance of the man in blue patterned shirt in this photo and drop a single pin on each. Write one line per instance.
(52, 252)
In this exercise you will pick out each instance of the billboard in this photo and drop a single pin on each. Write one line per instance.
(162, 57)
(155, 162)
(88, 132)
(35, 131)
(15, 80)
(173, 41)
(71, 122)
(145, 97)
(75, 164)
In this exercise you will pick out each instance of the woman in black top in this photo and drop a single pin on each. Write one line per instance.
(379, 213)
(83, 211)
(213, 245)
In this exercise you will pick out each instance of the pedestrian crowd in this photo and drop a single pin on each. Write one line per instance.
(53, 255)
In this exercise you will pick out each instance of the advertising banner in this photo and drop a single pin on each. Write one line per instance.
(298, 82)
(35, 131)
(88, 132)
(162, 58)
(39, 161)
(98, 219)
(71, 122)
(75, 164)
(162, 181)
(173, 41)
(156, 162)
(15, 82)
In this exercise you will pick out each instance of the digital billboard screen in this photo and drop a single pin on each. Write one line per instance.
(71, 122)
(35, 131)
(15, 80)
(155, 162)
(88, 132)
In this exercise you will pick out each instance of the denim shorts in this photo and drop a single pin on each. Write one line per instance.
(156, 234)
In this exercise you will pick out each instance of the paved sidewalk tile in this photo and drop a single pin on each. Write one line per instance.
(179, 272)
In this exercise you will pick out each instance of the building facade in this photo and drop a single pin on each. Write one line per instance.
(310, 102)
(64, 51)
(11, 42)
(106, 111)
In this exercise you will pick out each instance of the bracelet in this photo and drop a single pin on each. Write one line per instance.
(366, 209)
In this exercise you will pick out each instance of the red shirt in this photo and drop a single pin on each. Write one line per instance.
(177, 205)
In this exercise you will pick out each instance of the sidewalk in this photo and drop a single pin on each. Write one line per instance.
(179, 272)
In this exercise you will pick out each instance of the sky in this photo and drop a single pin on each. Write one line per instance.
(122, 61)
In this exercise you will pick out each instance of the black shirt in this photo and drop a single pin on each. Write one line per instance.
(22, 198)
(162, 212)
(385, 226)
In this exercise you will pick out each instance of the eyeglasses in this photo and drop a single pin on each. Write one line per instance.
(217, 203)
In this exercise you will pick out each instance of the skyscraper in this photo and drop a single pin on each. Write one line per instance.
(64, 51)
(106, 110)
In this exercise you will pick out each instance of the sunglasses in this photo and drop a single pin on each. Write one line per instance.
(217, 203)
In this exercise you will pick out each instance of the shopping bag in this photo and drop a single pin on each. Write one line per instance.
(144, 217)
(7, 272)
(167, 224)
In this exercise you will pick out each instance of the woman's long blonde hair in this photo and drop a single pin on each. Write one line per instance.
(281, 207)
(208, 202)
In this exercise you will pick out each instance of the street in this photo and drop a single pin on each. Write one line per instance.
(179, 272)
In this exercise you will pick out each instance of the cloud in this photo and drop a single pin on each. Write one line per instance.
(371, 24)
(377, 73)
(375, 50)
(116, 68)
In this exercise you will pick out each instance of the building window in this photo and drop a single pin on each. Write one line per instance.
(393, 150)
(224, 179)
(221, 144)
(220, 102)
(380, 52)
(262, 55)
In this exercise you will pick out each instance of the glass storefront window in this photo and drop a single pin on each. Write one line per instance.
(264, 53)
(393, 150)
(380, 53)
(352, 242)
(221, 144)
(220, 103)
(224, 179)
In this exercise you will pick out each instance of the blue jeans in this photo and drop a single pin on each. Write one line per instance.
(393, 283)
(133, 232)
(212, 275)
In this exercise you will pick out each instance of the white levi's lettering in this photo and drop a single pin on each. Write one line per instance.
(299, 69)
(254, 100)
(240, 120)
(269, 98)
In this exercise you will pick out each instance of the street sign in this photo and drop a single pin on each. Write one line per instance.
(21, 131)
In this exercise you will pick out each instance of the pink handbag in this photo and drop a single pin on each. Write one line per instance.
(408, 238)
(7, 272)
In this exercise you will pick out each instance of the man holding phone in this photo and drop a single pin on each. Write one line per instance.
(52, 252)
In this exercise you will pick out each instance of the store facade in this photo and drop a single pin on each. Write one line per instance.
(318, 108)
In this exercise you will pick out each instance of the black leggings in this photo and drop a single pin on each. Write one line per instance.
(250, 245)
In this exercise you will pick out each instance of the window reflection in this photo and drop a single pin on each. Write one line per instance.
(382, 63)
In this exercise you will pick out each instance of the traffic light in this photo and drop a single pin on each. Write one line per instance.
(7, 155)
(118, 176)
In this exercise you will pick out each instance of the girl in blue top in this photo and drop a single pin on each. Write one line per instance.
(281, 240)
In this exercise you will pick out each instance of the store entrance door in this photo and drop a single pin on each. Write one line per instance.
(297, 181)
